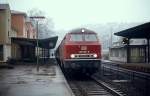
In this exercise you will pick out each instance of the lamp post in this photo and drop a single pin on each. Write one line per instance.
(37, 41)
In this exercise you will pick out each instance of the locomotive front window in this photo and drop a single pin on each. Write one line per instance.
(90, 37)
(76, 37)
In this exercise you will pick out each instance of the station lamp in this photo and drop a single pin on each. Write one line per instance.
(125, 41)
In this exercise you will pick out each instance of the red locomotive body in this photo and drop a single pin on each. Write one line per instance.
(80, 50)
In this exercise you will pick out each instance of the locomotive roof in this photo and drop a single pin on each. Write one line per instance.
(81, 30)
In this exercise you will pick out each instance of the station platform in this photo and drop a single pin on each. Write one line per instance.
(24, 80)
(140, 67)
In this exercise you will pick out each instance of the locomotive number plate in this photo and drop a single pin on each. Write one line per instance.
(83, 47)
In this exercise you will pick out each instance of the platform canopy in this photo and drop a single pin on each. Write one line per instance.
(48, 43)
(140, 31)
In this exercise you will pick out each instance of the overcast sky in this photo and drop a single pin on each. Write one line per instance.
(68, 14)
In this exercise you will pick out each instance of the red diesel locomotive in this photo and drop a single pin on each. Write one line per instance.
(80, 50)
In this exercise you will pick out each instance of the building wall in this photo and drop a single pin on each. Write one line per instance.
(9, 27)
(5, 31)
(118, 54)
(30, 30)
(18, 23)
(136, 54)
(5, 27)
(13, 33)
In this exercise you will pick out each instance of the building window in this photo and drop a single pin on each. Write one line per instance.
(1, 52)
(141, 53)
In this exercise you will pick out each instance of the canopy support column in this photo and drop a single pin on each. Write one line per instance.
(128, 51)
(148, 51)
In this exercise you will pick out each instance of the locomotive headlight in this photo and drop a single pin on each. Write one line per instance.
(95, 55)
(72, 55)
(82, 30)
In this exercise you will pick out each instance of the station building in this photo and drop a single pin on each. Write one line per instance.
(24, 45)
(118, 52)
(136, 49)
(22, 50)
(18, 37)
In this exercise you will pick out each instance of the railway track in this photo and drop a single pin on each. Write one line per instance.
(89, 86)
(110, 81)
(112, 90)
(132, 83)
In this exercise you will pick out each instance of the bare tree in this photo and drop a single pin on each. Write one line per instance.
(45, 28)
